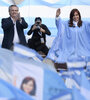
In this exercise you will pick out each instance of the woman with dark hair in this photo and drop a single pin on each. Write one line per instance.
(73, 38)
(74, 13)
(28, 85)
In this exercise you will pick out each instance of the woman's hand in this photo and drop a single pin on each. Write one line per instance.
(58, 12)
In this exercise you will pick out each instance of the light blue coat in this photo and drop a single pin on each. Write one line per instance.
(70, 42)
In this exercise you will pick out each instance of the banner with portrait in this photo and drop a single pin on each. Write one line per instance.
(28, 78)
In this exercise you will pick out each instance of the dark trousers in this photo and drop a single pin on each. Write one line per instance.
(38, 46)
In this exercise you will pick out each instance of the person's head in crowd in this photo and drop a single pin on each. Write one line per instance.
(28, 85)
(76, 17)
(13, 10)
(38, 21)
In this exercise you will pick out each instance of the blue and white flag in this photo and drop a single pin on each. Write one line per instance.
(41, 76)
(27, 52)
(76, 95)
(57, 3)
(83, 83)
(85, 86)
(6, 60)
(63, 95)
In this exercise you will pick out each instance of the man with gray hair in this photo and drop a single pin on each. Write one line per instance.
(13, 28)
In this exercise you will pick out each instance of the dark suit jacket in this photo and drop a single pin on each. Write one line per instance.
(8, 29)
(36, 36)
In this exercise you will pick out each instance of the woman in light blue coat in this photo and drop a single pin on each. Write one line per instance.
(73, 39)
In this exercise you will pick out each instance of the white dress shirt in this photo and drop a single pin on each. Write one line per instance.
(16, 38)
(75, 23)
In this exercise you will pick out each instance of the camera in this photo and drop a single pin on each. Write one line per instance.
(38, 23)
(38, 26)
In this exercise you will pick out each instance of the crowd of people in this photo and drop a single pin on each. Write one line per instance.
(72, 40)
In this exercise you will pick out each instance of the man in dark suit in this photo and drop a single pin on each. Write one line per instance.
(13, 28)
(38, 39)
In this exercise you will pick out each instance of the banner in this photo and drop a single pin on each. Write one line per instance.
(29, 79)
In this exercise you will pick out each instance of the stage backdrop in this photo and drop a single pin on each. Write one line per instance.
(46, 9)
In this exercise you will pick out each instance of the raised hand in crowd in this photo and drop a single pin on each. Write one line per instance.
(58, 12)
